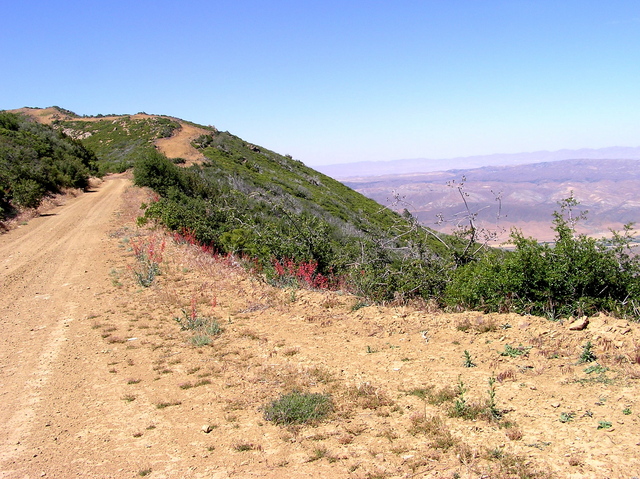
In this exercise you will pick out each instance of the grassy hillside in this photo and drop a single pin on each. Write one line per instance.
(297, 225)
(119, 140)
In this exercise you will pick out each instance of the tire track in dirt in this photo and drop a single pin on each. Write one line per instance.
(48, 276)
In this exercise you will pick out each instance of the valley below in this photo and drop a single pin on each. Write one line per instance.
(522, 196)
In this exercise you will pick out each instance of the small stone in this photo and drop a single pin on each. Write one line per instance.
(579, 324)
(207, 429)
(555, 404)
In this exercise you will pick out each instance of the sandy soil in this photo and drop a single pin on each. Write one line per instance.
(43, 115)
(179, 144)
(99, 380)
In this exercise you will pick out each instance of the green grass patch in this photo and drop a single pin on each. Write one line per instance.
(298, 408)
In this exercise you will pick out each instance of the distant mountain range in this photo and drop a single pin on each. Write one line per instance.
(608, 188)
(424, 165)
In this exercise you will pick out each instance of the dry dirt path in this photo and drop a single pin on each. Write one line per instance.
(52, 272)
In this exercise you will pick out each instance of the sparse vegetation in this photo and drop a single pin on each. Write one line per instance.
(468, 361)
(165, 404)
(246, 446)
(435, 428)
(205, 328)
(368, 396)
(200, 340)
(566, 417)
(512, 352)
(443, 395)
(492, 412)
(149, 256)
(462, 408)
(604, 425)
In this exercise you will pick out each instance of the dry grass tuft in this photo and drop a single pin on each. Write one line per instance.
(367, 396)
(508, 375)
(480, 324)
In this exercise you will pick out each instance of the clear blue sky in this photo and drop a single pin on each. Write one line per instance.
(339, 81)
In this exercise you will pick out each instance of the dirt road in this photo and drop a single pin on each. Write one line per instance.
(52, 272)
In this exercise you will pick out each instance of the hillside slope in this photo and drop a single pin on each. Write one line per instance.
(244, 199)
(120, 140)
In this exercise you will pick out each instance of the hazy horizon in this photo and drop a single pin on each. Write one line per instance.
(426, 165)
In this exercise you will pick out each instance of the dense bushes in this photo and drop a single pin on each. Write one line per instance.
(578, 275)
(230, 213)
(36, 160)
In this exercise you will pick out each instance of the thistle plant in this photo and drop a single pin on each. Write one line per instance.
(468, 361)
(587, 355)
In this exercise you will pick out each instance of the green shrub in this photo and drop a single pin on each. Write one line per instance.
(27, 193)
(577, 275)
(468, 360)
(36, 160)
(587, 355)
(157, 172)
